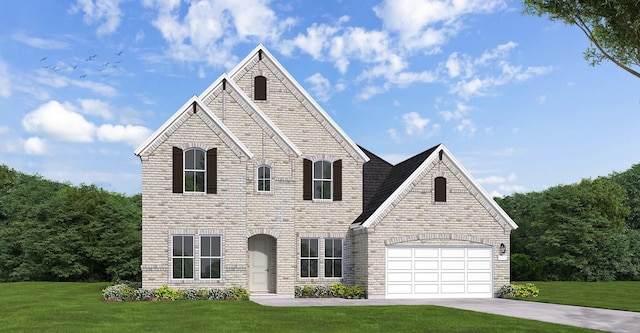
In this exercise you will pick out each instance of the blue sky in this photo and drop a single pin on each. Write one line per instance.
(82, 83)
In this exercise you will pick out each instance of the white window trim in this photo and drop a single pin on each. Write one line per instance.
(317, 257)
(200, 256)
(314, 179)
(258, 178)
(341, 258)
(193, 256)
(185, 170)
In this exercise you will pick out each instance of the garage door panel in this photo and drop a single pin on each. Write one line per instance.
(399, 253)
(426, 252)
(399, 264)
(399, 277)
(400, 289)
(427, 289)
(453, 288)
(479, 265)
(452, 264)
(426, 277)
(426, 264)
(431, 272)
(452, 253)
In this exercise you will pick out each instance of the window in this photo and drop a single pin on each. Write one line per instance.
(322, 180)
(333, 257)
(264, 178)
(440, 184)
(309, 257)
(210, 257)
(182, 257)
(260, 88)
(194, 170)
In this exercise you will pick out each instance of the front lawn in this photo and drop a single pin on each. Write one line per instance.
(76, 307)
(617, 295)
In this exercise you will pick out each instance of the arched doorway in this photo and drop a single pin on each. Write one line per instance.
(262, 264)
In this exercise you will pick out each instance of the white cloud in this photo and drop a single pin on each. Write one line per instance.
(95, 107)
(320, 87)
(393, 134)
(209, 29)
(60, 81)
(460, 111)
(105, 12)
(428, 23)
(467, 127)
(414, 124)
(370, 91)
(60, 122)
(46, 44)
(129, 134)
(35, 146)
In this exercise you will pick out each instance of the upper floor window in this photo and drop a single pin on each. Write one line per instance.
(264, 178)
(322, 180)
(194, 170)
(260, 88)
(440, 189)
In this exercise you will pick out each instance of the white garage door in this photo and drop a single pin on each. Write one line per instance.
(446, 272)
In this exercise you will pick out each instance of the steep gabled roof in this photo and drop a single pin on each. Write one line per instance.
(253, 111)
(402, 177)
(303, 96)
(180, 116)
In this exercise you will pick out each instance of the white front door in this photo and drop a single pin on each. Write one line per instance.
(259, 263)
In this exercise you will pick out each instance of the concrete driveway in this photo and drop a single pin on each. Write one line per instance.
(600, 319)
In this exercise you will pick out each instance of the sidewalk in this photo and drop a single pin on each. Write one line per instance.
(600, 319)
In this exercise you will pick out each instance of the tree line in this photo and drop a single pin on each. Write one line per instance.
(587, 231)
(52, 231)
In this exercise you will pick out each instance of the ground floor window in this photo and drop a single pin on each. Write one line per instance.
(309, 257)
(182, 257)
(333, 257)
(210, 257)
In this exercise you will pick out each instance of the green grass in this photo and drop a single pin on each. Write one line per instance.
(76, 307)
(618, 295)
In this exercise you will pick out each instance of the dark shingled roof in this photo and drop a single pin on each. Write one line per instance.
(393, 178)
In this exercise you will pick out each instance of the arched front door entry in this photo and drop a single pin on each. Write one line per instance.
(262, 264)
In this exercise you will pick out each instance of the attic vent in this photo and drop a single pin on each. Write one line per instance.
(195, 109)
(224, 84)
(259, 54)
(440, 154)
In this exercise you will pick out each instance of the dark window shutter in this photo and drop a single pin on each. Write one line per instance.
(337, 180)
(440, 189)
(212, 170)
(307, 185)
(178, 170)
(260, 88)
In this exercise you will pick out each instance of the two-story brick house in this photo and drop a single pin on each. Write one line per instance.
(252, 184)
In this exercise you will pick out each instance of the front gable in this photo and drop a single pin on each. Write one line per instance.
(434, 162)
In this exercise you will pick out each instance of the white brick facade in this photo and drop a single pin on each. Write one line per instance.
(281, 132)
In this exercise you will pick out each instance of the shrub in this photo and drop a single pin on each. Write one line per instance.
(355, 291)
(526, 290)
(297, 291)
(239, 293)
(119, 292)
(190, 294)
(507, 291)
(216, 294)
(144, 294)
(322, 291)
(166, 293)
(338, 290)
(307, 291)
(523, 268)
